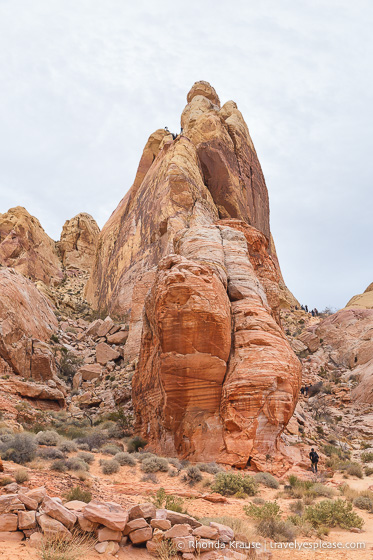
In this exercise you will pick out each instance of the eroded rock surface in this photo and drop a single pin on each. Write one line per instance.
(188, 256)
(26, 247)
(77, 245)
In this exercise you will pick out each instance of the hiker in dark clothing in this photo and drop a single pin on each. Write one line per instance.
(302, 390)
(306, 390)
(314, 460)
(312, 313)
(306, 308)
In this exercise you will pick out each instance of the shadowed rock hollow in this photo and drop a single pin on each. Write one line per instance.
(188, 255)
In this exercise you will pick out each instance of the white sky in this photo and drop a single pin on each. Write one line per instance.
(85, 82)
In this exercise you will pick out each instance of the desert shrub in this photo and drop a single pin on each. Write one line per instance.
(267, 480)
(363, 502)
(268, 510)
(239, 526)
(67, 446)
(173, 472)
(154, 464)
(229, 484)
(83, 446)
(367, 457)
(321, 490)
(94, 439)
(297, 507)
(75, 464)
(20, 449)
(49, 437)
(111, 449)
(75, 548)
(6, 480)
(192, 475)
(86, 457)
(354, 469)
(69, 365)
(110, 467)
(162, 500)
(21, 476)
(125, 459)
(150, 477)
(211, 468)
(136, 443)
(59, 465)
(258, 501)
(78, 493)
(50, 453)
(140, 457)
(368, 471)
(332, 513)
(277, 529)
(175, 463)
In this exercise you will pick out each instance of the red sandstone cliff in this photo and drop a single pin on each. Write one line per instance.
(188, 256)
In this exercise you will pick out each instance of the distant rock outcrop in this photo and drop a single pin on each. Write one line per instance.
(189, 256)
(77, 245)
(26, 247)
(364, 300)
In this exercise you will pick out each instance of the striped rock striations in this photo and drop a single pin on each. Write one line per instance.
(188, 256)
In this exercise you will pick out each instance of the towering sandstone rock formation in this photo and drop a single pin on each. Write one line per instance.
(77, 245)
(363, 301)
(188, 255)
(26, 247)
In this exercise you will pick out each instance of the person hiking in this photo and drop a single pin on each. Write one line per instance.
(302, 390)
(314, 460)
(306, 390)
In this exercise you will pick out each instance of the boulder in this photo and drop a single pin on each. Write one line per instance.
(105, 354)
(37, 494)
(141, 535)
(119, 337)
(35, 540)
(109, 514)
(206, 532)
(105, 327)
(135, 524)
(184, 544)
(107, 547)
(146, 511)
(26, 520)
(75, 505)
(181, 518)
(8, 522)
(10, 503)
(85, 525)
(59, 512)
(90, 371)
(162, 524)
(226, 534)
(52, 528)
(182, 530)
(15, 536)
(105, 534)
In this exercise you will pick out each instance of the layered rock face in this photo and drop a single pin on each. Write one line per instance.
(77, 245)
(26, 324)
(188, 254)
(26, 247)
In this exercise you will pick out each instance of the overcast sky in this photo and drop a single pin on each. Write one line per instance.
(85, 82)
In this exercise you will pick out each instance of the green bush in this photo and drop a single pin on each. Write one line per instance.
(267, 480)
(297, 507)
(333, 513)
(125, 459)
(321, 490)
(110, 467)
(154, 464)
(229, 484)
(69, 365)
(175, 463)
(367, 457)
(95, 439)
(269, 510)
(49, 437)
(192, 475)
(136, 443)
(79, 494)
(368, 471)
(21, 476)
(162, 500)
(20, 449)
(6, 480)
